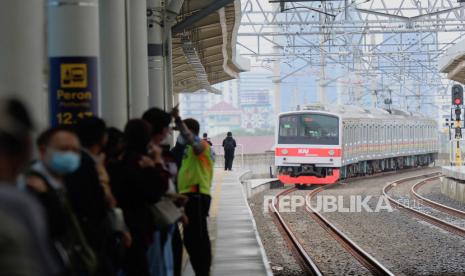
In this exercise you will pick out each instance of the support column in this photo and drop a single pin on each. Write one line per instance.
(73, 51)
(277, 82)
(321, 93)
(374, 97)
(155, 54)
(357, 87)
(138, 82)
(169, 94)
(340, 90)
(374, 80)
(22, 73)
(172, 9)
(113, 67)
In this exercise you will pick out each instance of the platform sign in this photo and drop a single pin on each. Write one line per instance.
(73, 89)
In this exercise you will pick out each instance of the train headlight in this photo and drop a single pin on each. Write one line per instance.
(331, 152)
(284, 151)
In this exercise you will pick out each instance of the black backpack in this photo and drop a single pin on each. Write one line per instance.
(229, 144)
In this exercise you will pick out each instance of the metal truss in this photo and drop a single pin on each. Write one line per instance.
(395, 44)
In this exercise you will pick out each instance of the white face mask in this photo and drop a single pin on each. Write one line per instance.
(181, 140)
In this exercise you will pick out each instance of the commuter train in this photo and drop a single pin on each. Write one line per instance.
(322, 144)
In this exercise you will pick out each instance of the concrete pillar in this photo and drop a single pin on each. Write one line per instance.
(22, 55)
(374, 98)
(155, 54)
(357, 87)
(340, 90)
(137, 57)
(374, 81)
(169, 94)
(277, 85)
(73, 51)
(113, 62)
(321, 93)
(322, 82)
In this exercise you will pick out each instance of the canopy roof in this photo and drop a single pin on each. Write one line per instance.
(453, 62)
(204, 53)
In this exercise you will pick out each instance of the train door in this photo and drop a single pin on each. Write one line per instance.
(383, 139)
(357, 140)
(403, 138)
(376, 133)
(389, 139)
(371, 140)
(364, 140)
(349, 142)
(414, 139)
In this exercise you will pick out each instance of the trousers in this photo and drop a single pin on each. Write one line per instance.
(196, 238)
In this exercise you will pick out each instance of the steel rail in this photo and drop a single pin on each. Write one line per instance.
(361, 255)
(306, 260)
(428, 218)
(436, 205)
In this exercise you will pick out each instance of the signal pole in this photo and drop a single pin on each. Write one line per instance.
(457, 102)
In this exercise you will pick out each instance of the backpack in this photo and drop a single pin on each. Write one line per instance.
(229, 144)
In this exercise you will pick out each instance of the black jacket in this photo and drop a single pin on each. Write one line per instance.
(229, 145)
(135, 188)
(88, 201)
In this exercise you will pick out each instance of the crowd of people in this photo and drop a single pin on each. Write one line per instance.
(89, 200)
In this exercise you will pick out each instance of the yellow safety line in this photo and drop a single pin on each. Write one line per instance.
(217, 194)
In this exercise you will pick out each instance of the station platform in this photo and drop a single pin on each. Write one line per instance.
(456, 172)
(236, 246)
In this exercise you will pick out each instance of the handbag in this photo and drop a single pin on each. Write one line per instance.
(165, 213)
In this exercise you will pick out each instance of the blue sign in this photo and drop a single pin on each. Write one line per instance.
(73, 89)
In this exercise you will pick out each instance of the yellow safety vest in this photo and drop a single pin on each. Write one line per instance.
(196, 173)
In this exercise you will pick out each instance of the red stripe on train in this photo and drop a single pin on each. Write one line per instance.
(308, 152)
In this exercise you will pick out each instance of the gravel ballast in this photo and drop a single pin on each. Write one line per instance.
(432, 191)
(402, 243)
(279, 255)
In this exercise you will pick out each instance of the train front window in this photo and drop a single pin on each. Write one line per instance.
(313, 129)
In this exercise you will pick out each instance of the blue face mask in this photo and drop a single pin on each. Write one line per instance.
(64, 162)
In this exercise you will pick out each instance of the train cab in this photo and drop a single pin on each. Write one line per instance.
(308, 147)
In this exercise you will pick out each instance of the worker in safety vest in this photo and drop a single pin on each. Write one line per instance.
(194, 180)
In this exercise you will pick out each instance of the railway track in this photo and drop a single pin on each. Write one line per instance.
(303, 258)
(421, 215)
(359, 254)
(438, 206)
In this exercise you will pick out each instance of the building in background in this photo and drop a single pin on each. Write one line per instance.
(245, 104)
(224, 117)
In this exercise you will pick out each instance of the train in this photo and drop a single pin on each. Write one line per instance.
(323, 144)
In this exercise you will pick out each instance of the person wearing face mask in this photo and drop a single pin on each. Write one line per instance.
(60, 156)
(92, 199)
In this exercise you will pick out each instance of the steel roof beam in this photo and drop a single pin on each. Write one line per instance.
(196, 17)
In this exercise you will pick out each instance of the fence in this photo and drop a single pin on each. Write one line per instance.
(261, 164)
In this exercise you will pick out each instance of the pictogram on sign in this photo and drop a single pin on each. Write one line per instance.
(73, 75)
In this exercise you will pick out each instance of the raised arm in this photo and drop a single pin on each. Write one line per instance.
(197, 146)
